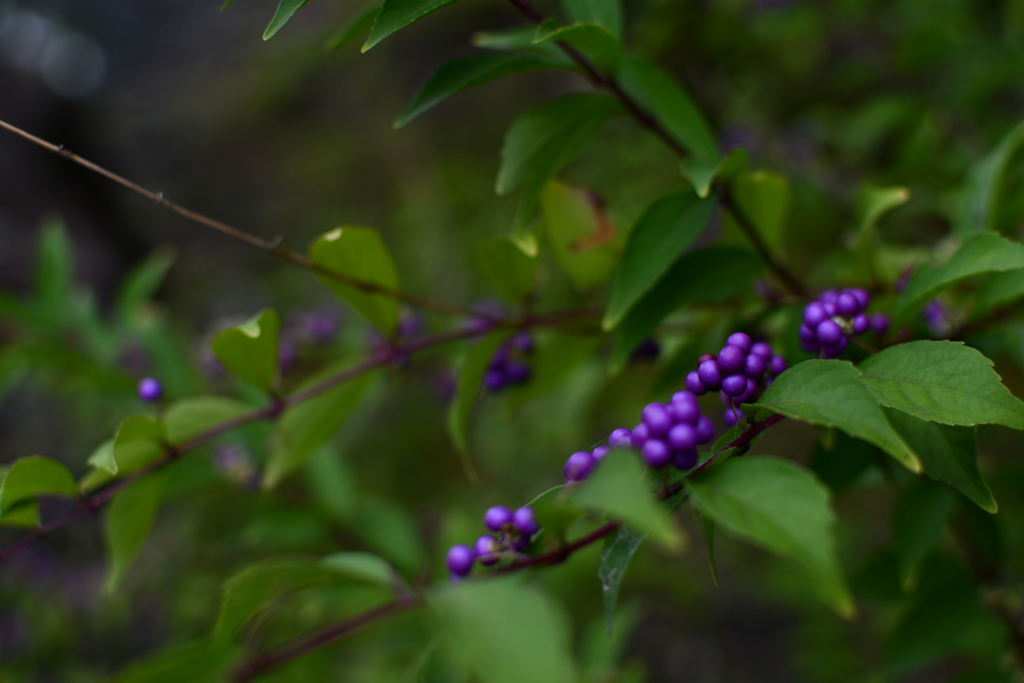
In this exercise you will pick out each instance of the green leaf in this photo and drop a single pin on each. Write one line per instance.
(605, 13)
(36, 476)
(919, 521)
(707, 530)
(764, 197)
(305, 427)
(664, 97)
(592, 40)
(998, 289)
(702, 173)
(128, 522)
(359, 253)
(139, 441)
(471, 376)
(508, 269)
(462, 74)
(665, 229)
(356, 27)
(332, 483)
(979, 204)
(363, 567)
(191, 417)
(555, 357)
(520, 39)
(831, 393)
(200, 661)
(397, 14)
(249, 350)
(23, 514)
(103, 457)
(875, 202)
(942, 381)
(392, 531)
(948, 453)
(978, 254)
(579, 234)
(504, 632)
(542, 141)
(55, 273)
(285, 10)
(617, 487)
(780, 506)
(618, 551)
(556, 509)
(709, 275)
(839, 460)
(142, 283)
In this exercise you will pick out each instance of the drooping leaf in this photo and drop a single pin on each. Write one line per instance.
(504, 632)
(978, 254)
(919, 521)
(36, 476)
(471, 376)
(508, 268)
(763, 197)
(190, 417)
(542, 141)
(619, 549)
(709, 275)
(249, 350)
(358, 26)
(462, 74)
(780, 506)
(128, 522)
(397, 14)
(979, 204)
(668, 226)
(605, 13)
(359, 253)
(830, 393)
(941, 381)
(201, 661)
(617, 487)
(306, 426)
(579, 233)
(363, 567)
(595, 41)
(948, 454)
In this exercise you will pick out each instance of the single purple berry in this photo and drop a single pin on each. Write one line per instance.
(684, 460)
(863, 298)
(649, 349)
(754, 365)
(828, 297)
(734, 385)
(762, 349)
(705, 429)
(320, 328)
(150, 390)
(494, 380)
(523, 342)
(693, 384)
(830, 309)
(579, 466)
(748, 395)
(516, 372)
(730, 360)
(657, 419)
(684, 408)
(600, 452)
(847, 305)
(682, 437)
(460, 559)
(287, 356)
(808, 339)
(834, 350)
(814, 314)
(638, 437)
(829, 333)
(740, 340)
(487, 549)
(656, 452)
(619, 438)
(497, 517)
(710, 375)
(525, 521)
(729, 417)
(880, 323)
(778, 365)
(861, 323)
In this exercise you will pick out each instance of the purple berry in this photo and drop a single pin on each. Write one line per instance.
(748, 395)
(740, 340)
(808, 340)
(657, 419)
(829, 296)
(834, 350)
(863, 298)
(694, 385)
(487, 549)
(579, 466)
(638, 437)
(861, 323)
(705, 429)
(494, 380)
(704, 357)
(600, 452)
(523, 341)
(734, 385)
(682, 437)
(847, 305)
(729, 417)
(754, 365)
(525, 521)
(656, 452)
(830, 309)
(516, 372)
(879, 323)
(497, 517)
(710, 375)
(684, 460)
(684, 408)
(150, 390)
(730, 360)
(460, 559)
(829, 333)
(762, 349)
(619, 438)
(778, 365)
(814, 314)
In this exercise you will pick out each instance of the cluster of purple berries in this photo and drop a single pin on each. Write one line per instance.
(508, 365)
(830, 321)
(513, 530)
